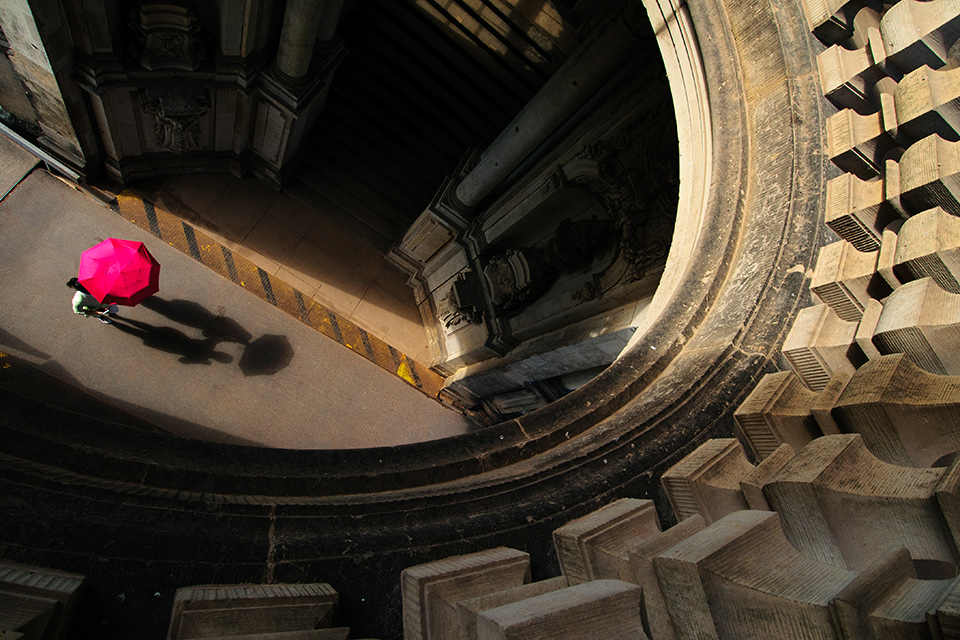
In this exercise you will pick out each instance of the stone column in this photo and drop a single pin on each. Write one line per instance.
(580, 78)
(301, 22)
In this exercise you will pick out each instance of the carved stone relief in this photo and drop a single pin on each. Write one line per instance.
(176, 118)
(635, 173)
(167, 36)
(516, 277)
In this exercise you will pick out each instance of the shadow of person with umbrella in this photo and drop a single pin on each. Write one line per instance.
(192, 314)
(170, 340)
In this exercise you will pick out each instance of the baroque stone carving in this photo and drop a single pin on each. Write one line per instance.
(637, 180)
(176, 119)
(515, 277)
(167, 36)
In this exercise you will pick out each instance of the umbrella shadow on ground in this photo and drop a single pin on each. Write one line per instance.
(266, 356)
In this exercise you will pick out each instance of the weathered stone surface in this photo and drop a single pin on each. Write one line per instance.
(921, 320)
(858, 143)
(707, 481)
(928, 246)
(823, 405)
(431, 591)
(846, 279)
(777, 412)
(641, 560)
(595, 546)
(919, 33)
(930, 174)
(752, 485)
(598, 609)
(849, 76)
(905, 415)
(470, 608)
(927, 103)
(37, 602)
(820, 344)
(862, 608)
(858, 210)
(867, 329)
(225, 610)
(839, 504)
(715, 582)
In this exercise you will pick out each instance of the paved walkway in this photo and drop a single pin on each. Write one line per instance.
(204, 358)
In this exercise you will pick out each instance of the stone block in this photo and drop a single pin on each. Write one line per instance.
(222, 610)
(948, 498)
(917, 33)
(921, 320)
(886, 258)
(927, 103)
(857, 210)
(741, 578)
(37, 602)
(867, 328)
(930, 175)
(641, 560)
(823, 406)
(608, 609)
(469, 609)
(858, 143)
(905, 609)
(707, 481)
(905, 415)
(752, 485)
(928, 246)
(848, 76)
(596, 546)
(777, 411)
(432, 591)
(840, 504)
(826, 18)
(846, 279)
(820, 344)
(886, 601)
(946, 616)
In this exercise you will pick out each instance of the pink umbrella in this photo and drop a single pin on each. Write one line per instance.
(119, 271)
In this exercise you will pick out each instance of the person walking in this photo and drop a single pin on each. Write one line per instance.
(86, 305)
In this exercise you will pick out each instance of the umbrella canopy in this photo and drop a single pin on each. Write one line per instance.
(119, 271)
